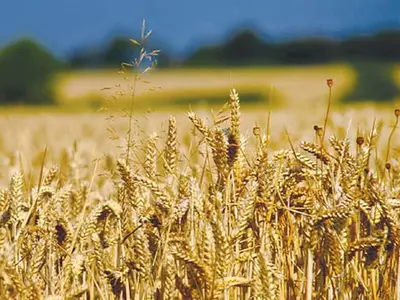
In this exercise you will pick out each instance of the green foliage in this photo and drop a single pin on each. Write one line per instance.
(118, 50)
(374, 82)
(242, 49)
(247, 47)
(85, 58)
(383, 46)
(205, 57)
(308, 51)
(26, 70)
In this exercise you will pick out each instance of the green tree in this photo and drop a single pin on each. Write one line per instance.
(246, 48)
(374, 82)
(119, 50)
(26, 70)
(308, 51)
(204, 57)
(116, 51)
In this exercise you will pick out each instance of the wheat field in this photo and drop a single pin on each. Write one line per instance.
(299, 203)
(293, 84)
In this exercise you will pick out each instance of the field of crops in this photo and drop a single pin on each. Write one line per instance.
(292, 203)
(166, 88)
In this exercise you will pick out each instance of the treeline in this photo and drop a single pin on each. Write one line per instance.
(119, 49)
(248, 48)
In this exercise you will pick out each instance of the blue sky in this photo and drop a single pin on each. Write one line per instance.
(63, 25)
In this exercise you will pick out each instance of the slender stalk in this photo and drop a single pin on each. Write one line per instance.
(309, 274)
(269, 115)
(391, 135)
(129, 133)
(398, 279)
(330, 83)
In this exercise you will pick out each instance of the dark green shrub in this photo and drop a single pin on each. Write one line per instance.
(26, 70)
(374, 82)
(119, 49)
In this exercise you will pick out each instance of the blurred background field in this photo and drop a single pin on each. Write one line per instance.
(179, 88)
(73, 68)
